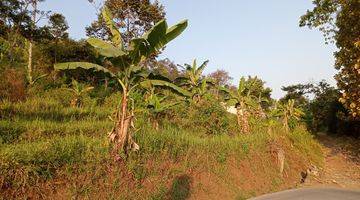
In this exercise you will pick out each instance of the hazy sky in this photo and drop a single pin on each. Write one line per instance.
(244, 37)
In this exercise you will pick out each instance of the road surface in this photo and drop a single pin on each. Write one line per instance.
(313, 194)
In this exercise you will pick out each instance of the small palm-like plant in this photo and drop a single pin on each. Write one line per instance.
(156, 106)
(78, 90)
(243, 101)
(288, 112)
(194, 81)
(129, 72)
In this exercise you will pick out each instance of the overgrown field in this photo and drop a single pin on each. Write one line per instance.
(53, 151)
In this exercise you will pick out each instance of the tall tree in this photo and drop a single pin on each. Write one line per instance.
(133, 18)
(325, 108)
(167, 68)
(220, 77)
(259, 90)
(58, 26)
(14, 16)
(34, 20)
(339, 21)
(23, 20)
(298, 93)
(16, 24)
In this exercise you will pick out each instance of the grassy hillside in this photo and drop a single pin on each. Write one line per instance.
(51, 150)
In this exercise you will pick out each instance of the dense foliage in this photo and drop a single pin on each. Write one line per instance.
(339, 21)
(322, 109)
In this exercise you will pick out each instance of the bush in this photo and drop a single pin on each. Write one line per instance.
(59, 95)
(12, 85)
(208, 116)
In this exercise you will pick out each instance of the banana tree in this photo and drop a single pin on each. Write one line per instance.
(156, 106)
(130, 71)
(288, 112)
(260, 111)
(78, 91)
(243, 101)
(193, 80)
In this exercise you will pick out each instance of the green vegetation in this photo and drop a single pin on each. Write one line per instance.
(106, 119)
(47, 142)
(338, 21)
(129, 74)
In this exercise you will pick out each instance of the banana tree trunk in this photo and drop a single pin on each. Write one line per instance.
(121, 132)
(286, 124)
(242, 118)
(262, 114)
(75, 102)
(196, 98)
(155, 124)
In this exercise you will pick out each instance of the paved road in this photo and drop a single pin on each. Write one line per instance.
(313, 194)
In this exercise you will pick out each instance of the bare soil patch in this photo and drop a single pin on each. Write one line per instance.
(341, 166)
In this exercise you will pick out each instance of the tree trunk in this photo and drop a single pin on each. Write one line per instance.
(29, 66)
(262, 114)
(30, 50)
(239, 114)
(123, 125)
(106, 83)
(243, 120)
(286, 124)
(121, 132)
(74, 102)
(155, 124)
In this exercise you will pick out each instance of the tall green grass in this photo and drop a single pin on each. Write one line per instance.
(18, 130)
(43, 138)
(23, 163)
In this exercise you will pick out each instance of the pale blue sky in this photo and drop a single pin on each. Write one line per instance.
(244, 37)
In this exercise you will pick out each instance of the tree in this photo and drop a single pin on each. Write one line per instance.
(220, 77)
(298, 93)
(243, 100)
(14, 16)
(133, 18)
(124, 63)
(167, 68)
(17, 24)
(193, 80)
(339, 21)
(58, 26)
(288, 112)
(259, 90)
(34, 20)
(325, 108)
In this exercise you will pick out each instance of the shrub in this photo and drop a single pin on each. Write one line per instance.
(208, 116)
(12, 85)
